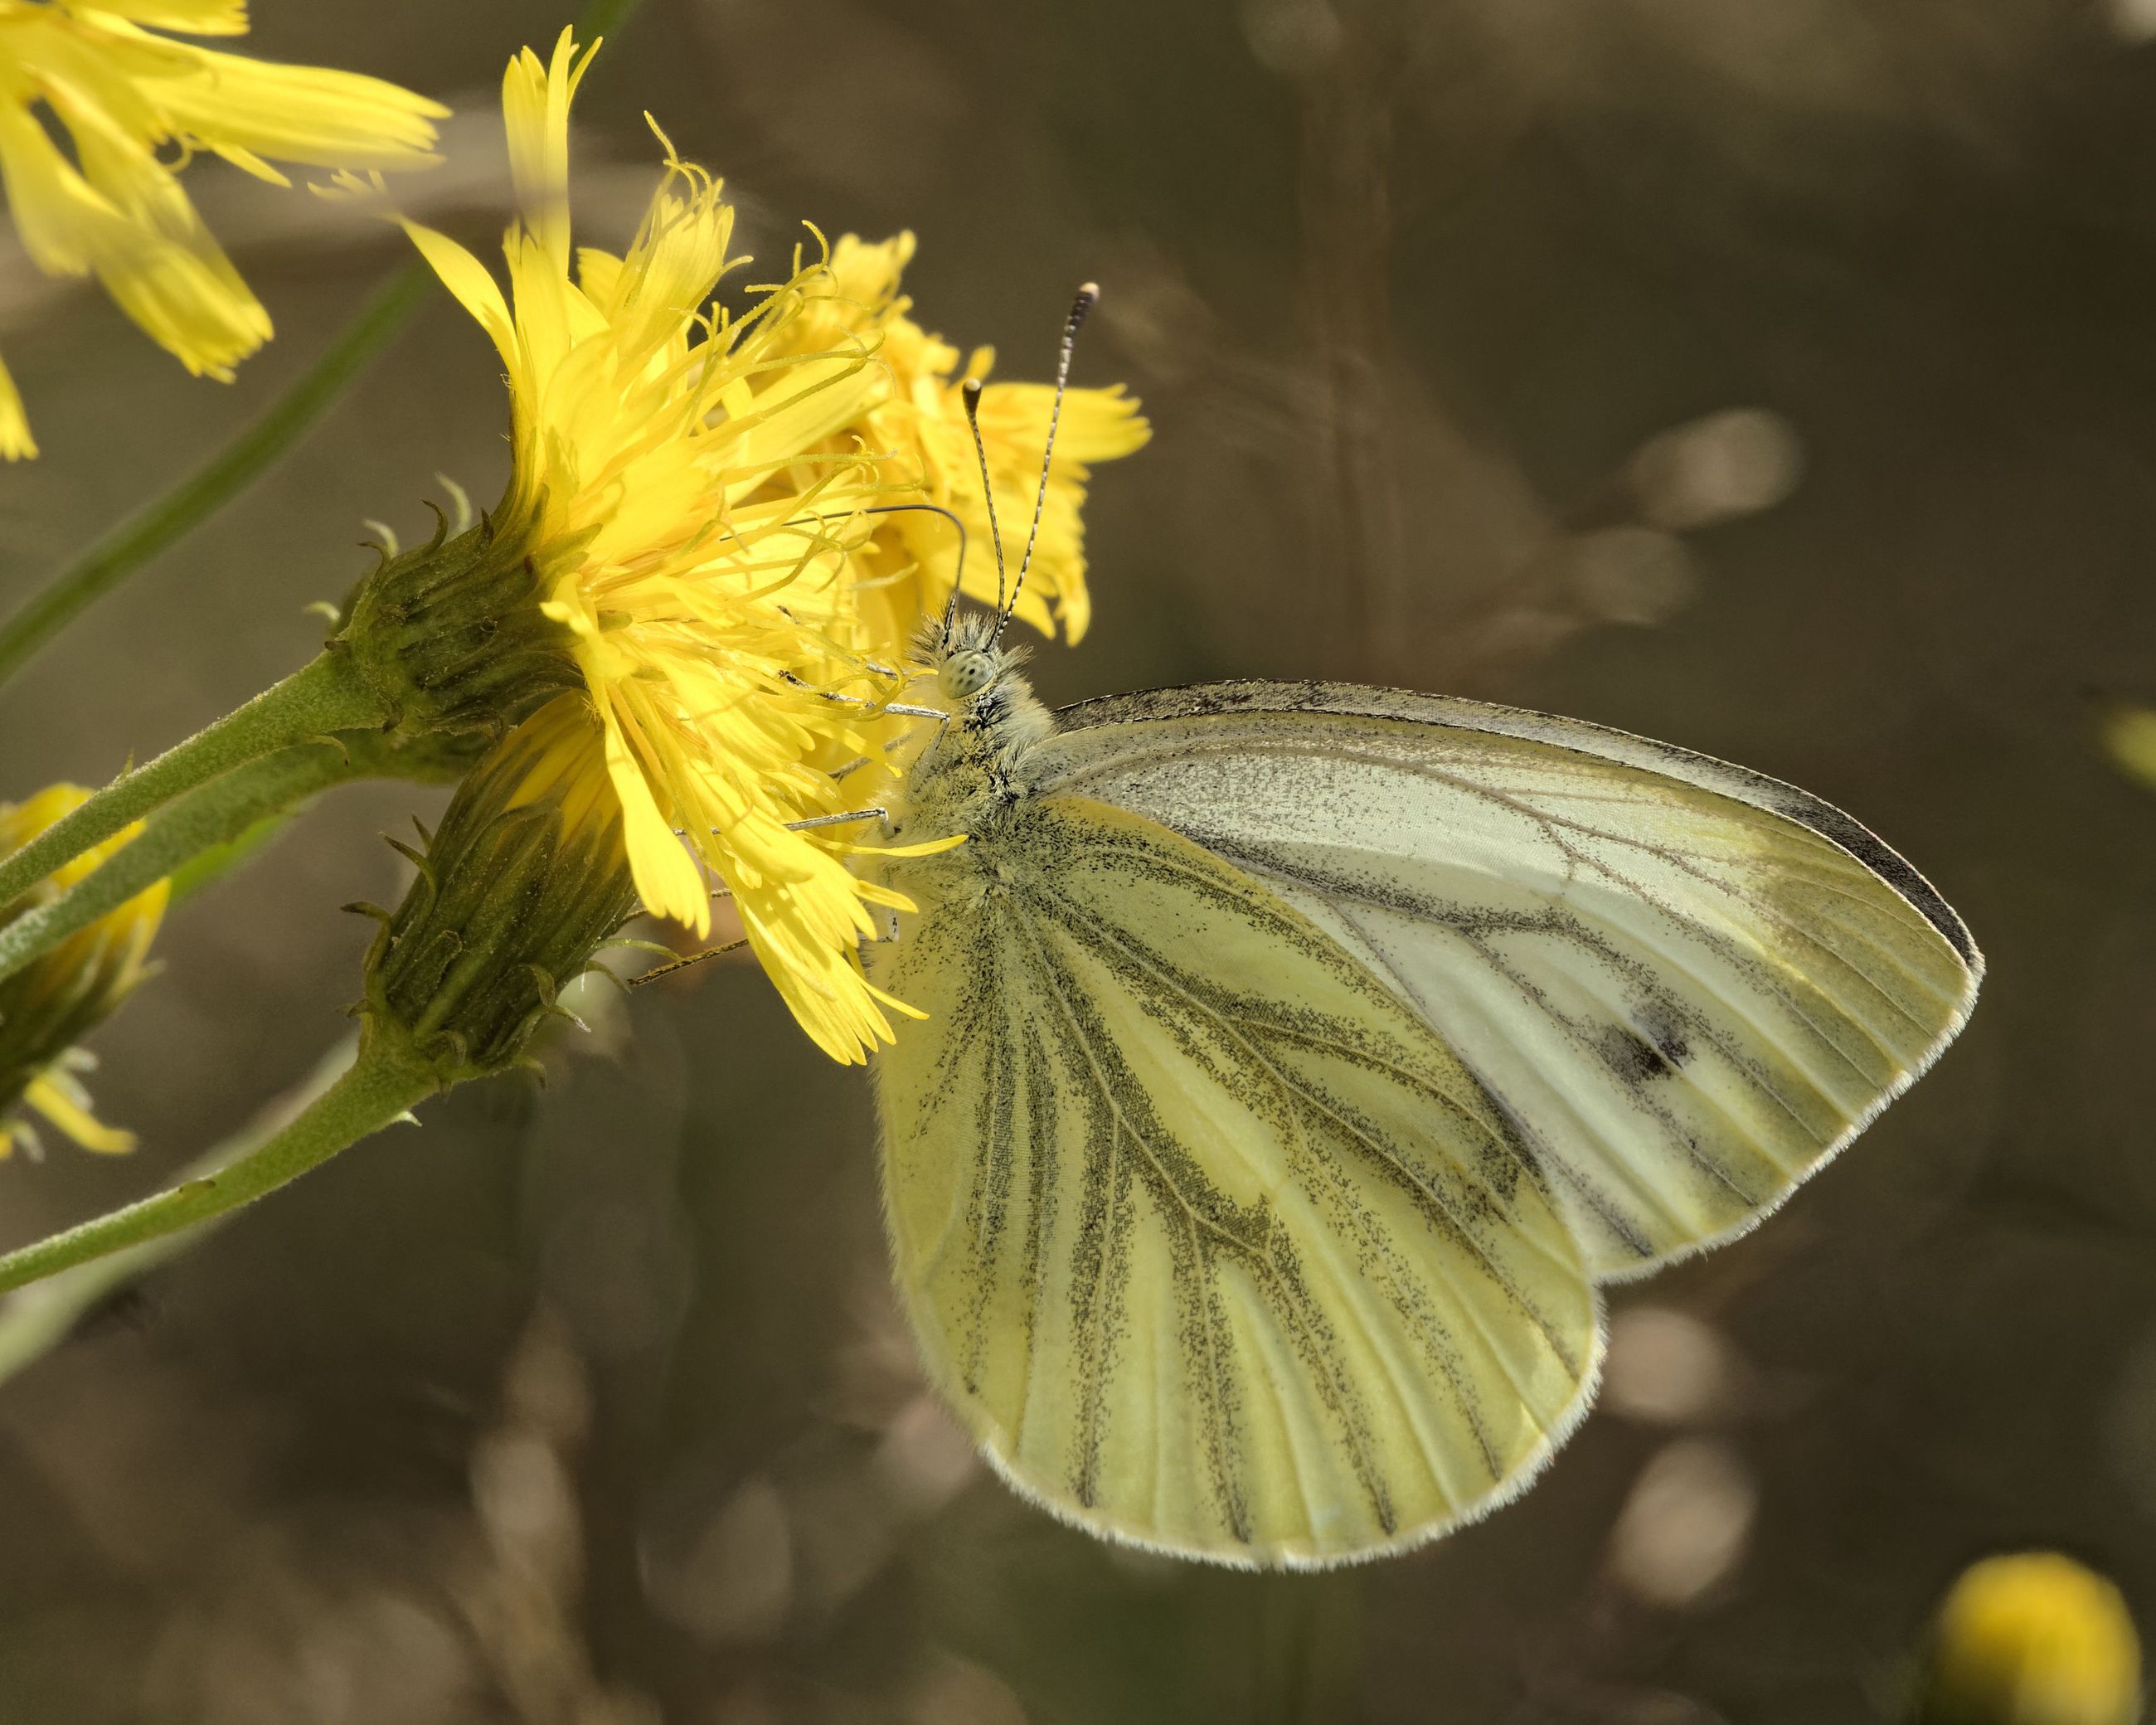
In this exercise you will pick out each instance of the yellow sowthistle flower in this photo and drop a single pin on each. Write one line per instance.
(52, 1003)
(682, 484)
(128, 98)
(917, 424)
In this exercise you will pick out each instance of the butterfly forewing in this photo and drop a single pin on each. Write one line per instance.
(1213, 1242)
(1685, 985)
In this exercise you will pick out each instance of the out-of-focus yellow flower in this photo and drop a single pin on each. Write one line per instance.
(136, 107)
(682, 484)
(2128, 736)
(2032, 1638)
(916, 421)
(55, 1000)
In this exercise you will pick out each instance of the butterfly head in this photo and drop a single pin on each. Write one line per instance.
(968, 661)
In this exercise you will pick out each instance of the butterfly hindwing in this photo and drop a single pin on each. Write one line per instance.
(1211, 1242)
(1687, 985)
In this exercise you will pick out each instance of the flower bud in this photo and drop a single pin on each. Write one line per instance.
(56, 999)
(525, 879)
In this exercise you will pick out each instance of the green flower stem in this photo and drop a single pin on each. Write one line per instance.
(383, 1083)
(34, 1320)
(126, 547)
(326, 696)
(603, 17)
(217, 829)
(221, 816)
(219, 812)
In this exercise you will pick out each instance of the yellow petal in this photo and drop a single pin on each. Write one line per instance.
(809, 403)
(535, 111)
(109, 71)
(248, 163)
(867, 273)
(50, 202)
(466, 278)
(16, 443)
(669, 884)
(315, 115)
(1073, 611)
(1094, 425)
(598, 274)
(194, 18)
(78, 1122)
(160, 262)
(676, 260)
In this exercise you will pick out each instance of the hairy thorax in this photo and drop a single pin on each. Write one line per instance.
(969, 775)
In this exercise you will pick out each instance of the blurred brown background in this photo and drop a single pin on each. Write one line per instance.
(1773, 376)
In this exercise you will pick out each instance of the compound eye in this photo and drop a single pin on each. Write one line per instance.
(965, 674)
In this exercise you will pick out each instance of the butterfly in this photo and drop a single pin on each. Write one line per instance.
(1302, 1060)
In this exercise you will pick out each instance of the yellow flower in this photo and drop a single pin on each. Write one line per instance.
(706, 601)
(918, 422)
(135, 107)
(52, 1003)
(2031, 1638)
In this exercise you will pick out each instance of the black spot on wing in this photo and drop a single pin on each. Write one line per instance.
(1653, 1046)
(1630, 1057)
(1661, 1023)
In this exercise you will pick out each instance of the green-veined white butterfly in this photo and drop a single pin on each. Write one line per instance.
(1300, 1058)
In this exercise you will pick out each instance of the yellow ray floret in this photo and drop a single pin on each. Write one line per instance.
(135, 107)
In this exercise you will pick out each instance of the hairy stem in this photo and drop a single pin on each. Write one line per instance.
(217, 814)
(383, 1082)
(324, 697)
(193, 829)
(34, 1320)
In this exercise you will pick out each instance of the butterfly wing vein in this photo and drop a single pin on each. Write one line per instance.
(1685, 986)
(1213, 1242)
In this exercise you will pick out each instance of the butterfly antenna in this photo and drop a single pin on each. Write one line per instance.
(958, 576)
(1089, 296)
(956, 525)
(971, 390)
